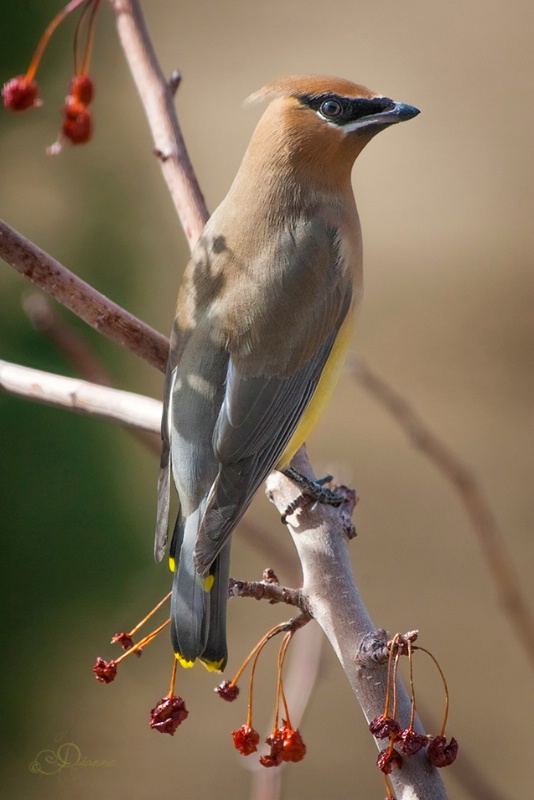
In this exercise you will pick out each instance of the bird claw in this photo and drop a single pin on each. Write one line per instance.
(312, 492)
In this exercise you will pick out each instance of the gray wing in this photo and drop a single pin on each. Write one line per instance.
(258, 417)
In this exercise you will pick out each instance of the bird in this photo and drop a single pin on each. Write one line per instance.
(263, 319)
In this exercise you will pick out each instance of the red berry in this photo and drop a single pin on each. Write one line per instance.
(19, 93)
(77, 125)
(81, 89)
(246, 740)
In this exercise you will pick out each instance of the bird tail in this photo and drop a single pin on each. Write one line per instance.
(198, 603)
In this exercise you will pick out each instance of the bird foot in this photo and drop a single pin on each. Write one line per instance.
(312, 492)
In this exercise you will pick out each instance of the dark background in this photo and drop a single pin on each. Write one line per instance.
(446, 209)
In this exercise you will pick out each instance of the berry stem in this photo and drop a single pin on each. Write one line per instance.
(92, 8)
(394, 683)
(259, 646)
(280, 693)
(173, 677)
(388, 680)
(45, 38)
(140, 624)
(412, 687)
(390, 795)
(251, 682)
(143, 642)
(436, 662)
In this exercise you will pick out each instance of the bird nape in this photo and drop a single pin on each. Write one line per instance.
(264, 318)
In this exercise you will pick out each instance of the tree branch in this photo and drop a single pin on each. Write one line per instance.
(126, 408)
(267, 590)
(94, 308)
(157, 98)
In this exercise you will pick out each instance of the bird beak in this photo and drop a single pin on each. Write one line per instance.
(399, 112)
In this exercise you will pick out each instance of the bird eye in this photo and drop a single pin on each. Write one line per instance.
(331, 108)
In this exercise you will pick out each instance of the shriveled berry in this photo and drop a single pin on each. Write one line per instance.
(169, 713)
(246, 740)
(410, 742)
(383, 727)
(227, 691)
(105, 671)
(441, 754)
(387, 759)
(276, 754)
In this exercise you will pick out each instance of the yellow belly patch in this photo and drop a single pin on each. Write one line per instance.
(323, 392)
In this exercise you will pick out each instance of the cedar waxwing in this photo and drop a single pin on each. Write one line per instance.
(263, 319)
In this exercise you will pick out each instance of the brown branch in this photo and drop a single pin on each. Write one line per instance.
(267, 590)
(94, 308)
(471, 496)
(157, 98)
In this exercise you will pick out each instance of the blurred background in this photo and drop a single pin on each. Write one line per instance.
(446, 209)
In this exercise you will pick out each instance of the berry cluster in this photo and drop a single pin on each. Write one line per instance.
(285, 741)
(170, 711)
(406, 742)
(21, 92)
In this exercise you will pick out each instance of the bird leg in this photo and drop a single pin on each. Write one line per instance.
(312, 491)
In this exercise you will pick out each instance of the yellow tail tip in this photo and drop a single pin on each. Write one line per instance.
(208, 582)
(183, 661)
(172, 564)
(213, 666)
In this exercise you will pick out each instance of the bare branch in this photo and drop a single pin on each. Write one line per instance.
(94, 308)
(157, 98)
(84, 398)
(266, 590)
(471, 496)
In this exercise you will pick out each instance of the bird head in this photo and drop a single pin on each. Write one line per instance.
(315, 120)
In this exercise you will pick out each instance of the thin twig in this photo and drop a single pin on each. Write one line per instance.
(263, 590)
(94, 308)
(471, 496)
